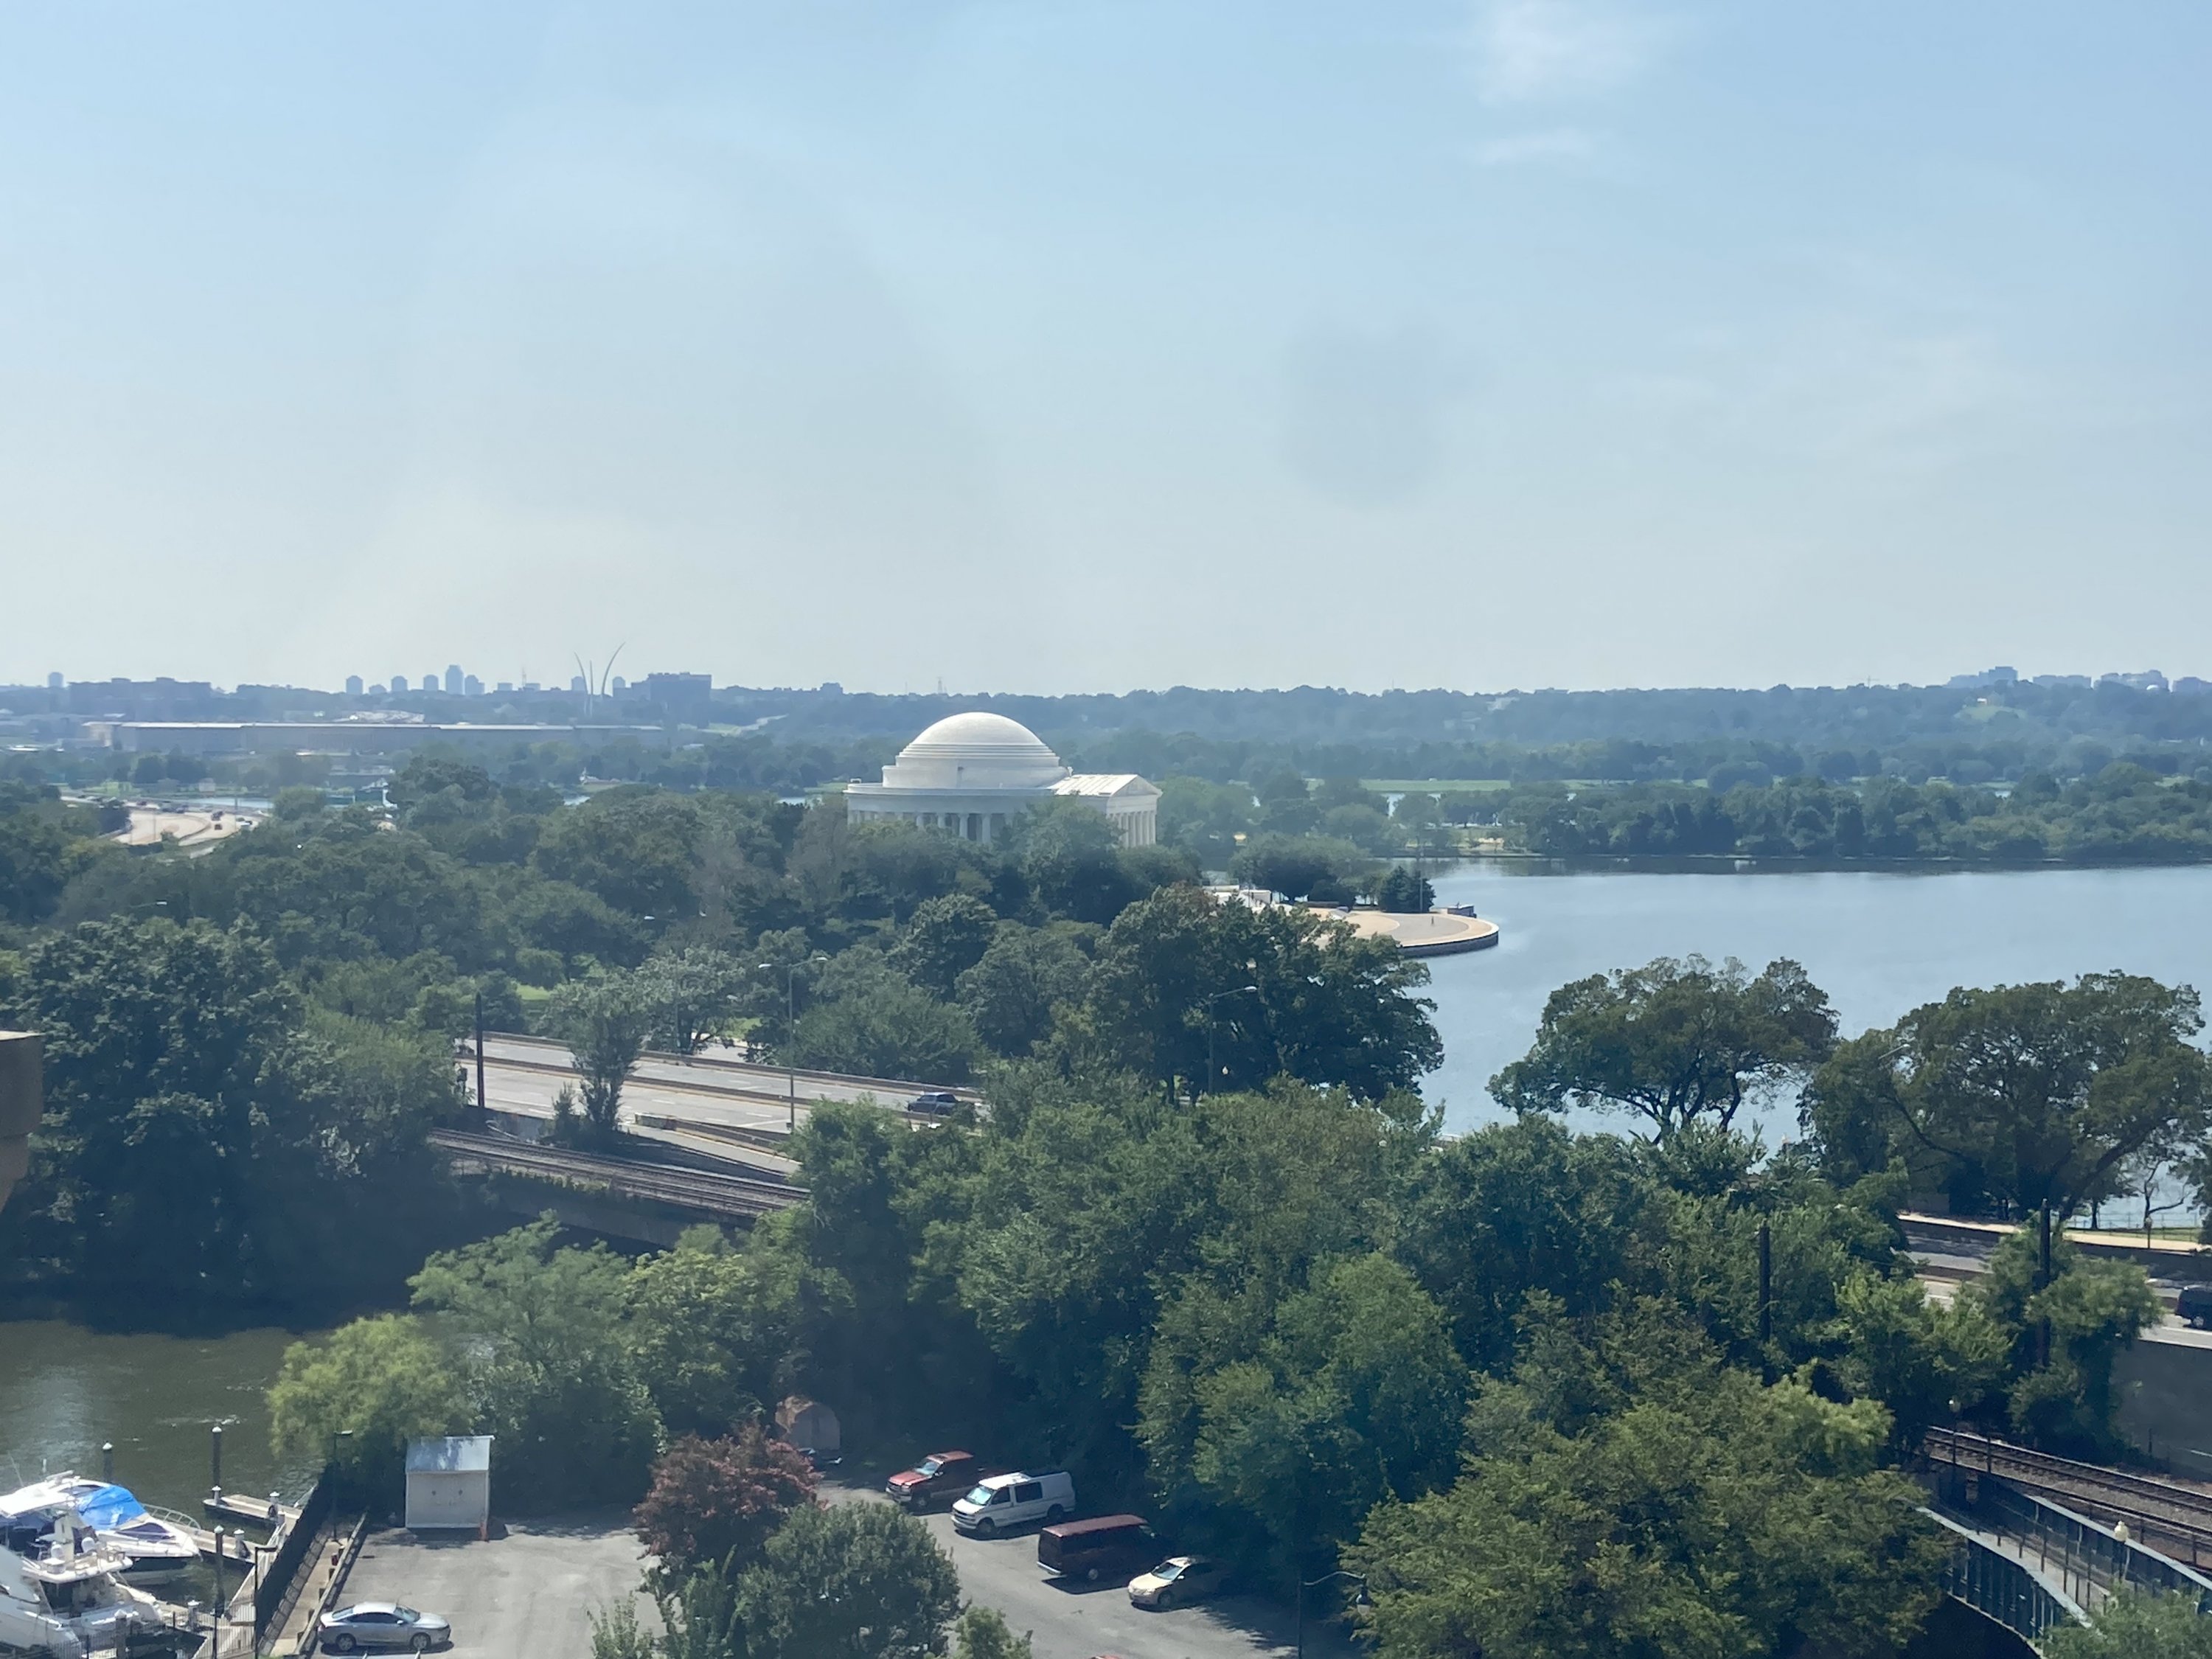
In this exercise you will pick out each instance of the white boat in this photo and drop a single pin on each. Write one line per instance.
(157, 1549)
(69, 1599)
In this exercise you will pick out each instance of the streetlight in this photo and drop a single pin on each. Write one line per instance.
(1305, 1584)
(791, 1029)
(1207, 1003)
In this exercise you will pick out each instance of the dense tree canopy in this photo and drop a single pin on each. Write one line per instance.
(2028, 1095)
(1674, 1042)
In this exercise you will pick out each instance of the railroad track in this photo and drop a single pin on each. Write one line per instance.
(2183, 1513)
(733, 1196)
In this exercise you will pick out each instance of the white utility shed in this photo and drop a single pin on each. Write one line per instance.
(449, 1484)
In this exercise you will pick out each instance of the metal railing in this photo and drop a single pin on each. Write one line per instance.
(2179, 1516)
(1992, 1583)
(271, 1589)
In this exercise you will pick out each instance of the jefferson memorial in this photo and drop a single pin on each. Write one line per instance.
(974, 774)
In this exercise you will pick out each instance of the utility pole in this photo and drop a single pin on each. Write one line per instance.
(483, 1100)
(1765, 1285)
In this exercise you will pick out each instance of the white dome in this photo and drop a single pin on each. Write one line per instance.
(974, 750)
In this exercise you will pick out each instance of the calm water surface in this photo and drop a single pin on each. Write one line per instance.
(63, 1389)
(1878, 944)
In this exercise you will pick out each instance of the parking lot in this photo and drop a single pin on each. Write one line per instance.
(524, 1595)
(1076, 1623)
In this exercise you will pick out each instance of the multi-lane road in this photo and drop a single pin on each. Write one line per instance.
(708, 1103)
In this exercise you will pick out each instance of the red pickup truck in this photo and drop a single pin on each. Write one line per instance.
(940, 1476)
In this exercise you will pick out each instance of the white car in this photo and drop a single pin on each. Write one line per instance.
(1006, 1501)
(1179, 1578)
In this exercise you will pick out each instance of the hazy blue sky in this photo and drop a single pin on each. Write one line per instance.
(1048, 347)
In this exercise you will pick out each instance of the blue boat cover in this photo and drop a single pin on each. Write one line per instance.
(110, 1509)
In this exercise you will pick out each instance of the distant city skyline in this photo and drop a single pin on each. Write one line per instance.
(1458, 342)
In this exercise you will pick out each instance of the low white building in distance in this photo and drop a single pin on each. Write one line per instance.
(972, 775)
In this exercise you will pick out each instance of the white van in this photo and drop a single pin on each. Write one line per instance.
(1006, 1501)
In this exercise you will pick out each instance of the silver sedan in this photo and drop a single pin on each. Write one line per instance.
(382, 1626)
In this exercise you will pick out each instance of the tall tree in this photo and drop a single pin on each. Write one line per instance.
(604, 1020)
(1673, 1041)
(856, 1581)
(690, 995)
(2028, 1095)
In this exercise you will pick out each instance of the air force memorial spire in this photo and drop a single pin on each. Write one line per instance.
(972, 775)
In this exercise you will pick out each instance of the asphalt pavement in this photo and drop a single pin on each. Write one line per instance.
(1077, 1622)
(524, 1595)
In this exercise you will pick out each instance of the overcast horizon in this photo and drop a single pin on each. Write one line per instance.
(1065, 348)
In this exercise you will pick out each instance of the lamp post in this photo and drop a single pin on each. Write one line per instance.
(1206, 1003)
(791, 1031)
(1305, 1584)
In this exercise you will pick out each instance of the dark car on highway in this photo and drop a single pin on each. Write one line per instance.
(2194, 1304)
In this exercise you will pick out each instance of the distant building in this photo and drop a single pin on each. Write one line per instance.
(972, 775)
(2190, 686)
(1987, 677)
(430, 681)
(687, 697)
(344, 737)
(353, 685)
(507, 685)
(2064, 682)
(2148, 680)
(54, 682)
(576, 685)
(473, 687)
(399, 684)
(621, 685)
(457, 683)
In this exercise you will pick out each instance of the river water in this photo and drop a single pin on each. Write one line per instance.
(65, 1389)
(1879, 945)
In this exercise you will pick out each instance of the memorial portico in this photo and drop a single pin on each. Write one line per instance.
(972, 775)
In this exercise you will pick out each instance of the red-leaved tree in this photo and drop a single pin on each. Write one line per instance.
(712, 1499)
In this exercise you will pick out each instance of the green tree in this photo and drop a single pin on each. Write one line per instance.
(2066, 1331)
(362, 1392)
(946, 936)
(711, 1328)
(873, 1021)
(1402, 892)
(1023, 976)
(604, 1020)
(1069, 855)
(633, 848)
(856, 1581)
(1709, 1516)
(1353, 1397)
(1299, 865)
(689, 995)
(717, 1501)
(2135, 1625)
(1182, 985)
(983, 1633)
(538, 1333)
(2031, 1094)
(1673, 1041)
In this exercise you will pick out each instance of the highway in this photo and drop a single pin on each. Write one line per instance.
(723, 1107)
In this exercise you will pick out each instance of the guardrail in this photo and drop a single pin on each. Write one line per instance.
(275, 1584)
(1993, 1583)
(733, 1197)
(2178, 1517)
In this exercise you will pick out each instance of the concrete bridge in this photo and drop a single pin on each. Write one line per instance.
(638, 1199)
